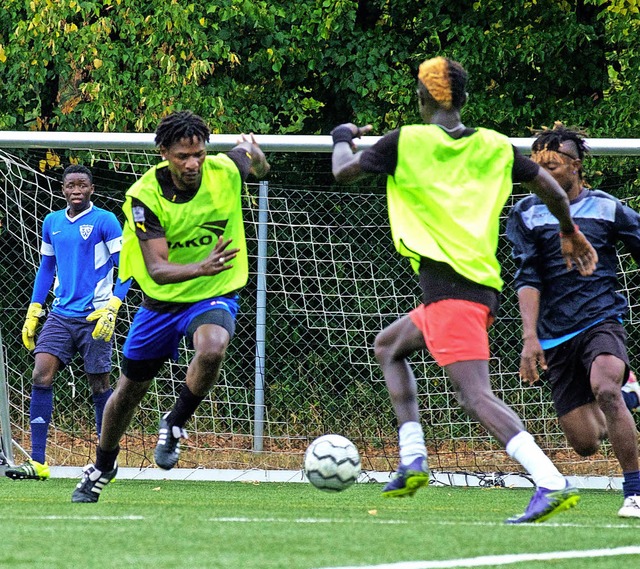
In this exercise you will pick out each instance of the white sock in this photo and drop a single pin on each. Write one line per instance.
(524, 449)
(411, 440)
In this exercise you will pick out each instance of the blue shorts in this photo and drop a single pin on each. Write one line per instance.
(155, 335)
(64, 337)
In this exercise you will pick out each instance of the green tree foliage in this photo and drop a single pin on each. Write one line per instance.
(301, 67)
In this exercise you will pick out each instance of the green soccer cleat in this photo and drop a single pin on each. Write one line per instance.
(546, 503)
(30, 470)
(408, 479)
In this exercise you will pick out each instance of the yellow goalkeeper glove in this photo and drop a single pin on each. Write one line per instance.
(34, 313)
(106, 318)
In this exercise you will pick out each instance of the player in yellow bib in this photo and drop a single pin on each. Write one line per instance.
(184, 244)
(446, 187)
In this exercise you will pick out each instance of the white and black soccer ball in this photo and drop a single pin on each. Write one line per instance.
(332, 463)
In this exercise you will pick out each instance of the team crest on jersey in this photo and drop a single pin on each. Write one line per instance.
(85, 231)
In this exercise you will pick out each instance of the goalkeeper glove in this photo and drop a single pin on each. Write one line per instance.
(34, 313)
(106, 318)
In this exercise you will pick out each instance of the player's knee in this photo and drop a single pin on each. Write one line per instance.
(42, 378)
(608, 397)
(586, 448)
(381, 349)
(99, 384)
(587, 442)
(468, 403)
(472, 400)
(211, 353)
(128, 394)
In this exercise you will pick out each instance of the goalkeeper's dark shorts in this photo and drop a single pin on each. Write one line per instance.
(64, 337)
(454, 330)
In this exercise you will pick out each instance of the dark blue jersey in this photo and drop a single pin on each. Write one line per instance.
(570, 302)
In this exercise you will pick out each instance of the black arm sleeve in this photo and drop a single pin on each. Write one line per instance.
(147, 223)
(242, 160)
(382, 157)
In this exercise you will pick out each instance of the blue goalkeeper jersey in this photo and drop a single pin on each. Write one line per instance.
(570, 302)
(86, 249)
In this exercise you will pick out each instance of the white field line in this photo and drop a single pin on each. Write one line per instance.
(80, 518)
(370, 519)
(494, 560)
(373, 520)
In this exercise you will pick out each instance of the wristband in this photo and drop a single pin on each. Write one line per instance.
(575, 230)
(342, 133)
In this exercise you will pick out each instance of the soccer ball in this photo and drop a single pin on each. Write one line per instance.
(332, 463)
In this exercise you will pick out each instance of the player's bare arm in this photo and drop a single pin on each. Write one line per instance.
(345, 164)
(532, 355)
(259, 165)
(156, 258)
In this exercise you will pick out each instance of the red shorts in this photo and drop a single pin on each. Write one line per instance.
(454, 330)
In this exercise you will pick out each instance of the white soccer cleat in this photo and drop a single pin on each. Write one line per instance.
(632, 386)
(630, 507)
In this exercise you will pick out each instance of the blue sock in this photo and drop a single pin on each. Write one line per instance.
(630, 400)
(40, 411)
(99, 401)
(631, 484)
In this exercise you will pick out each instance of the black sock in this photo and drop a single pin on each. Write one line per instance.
(184, 408)
(106, 459)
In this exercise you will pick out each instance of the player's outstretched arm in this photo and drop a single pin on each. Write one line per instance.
(345, 165)
(259, 165)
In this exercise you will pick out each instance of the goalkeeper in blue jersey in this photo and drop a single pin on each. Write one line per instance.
(446, 187)
(80, 248)
(572, 324)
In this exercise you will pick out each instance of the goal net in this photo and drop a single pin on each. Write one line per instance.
(324, 279)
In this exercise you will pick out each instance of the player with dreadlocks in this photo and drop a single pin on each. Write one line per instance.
(182, 216)
(446, 186)
(571, 323)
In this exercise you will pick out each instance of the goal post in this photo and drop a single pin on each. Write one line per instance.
(6, 440)
(324, 279)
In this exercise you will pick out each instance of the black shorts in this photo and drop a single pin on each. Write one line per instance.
(569, 364)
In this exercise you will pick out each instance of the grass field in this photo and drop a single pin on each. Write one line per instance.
(231, 525)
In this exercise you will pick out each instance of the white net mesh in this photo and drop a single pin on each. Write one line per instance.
(332, 282)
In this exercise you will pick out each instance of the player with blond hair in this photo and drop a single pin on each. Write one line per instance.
(446, 187)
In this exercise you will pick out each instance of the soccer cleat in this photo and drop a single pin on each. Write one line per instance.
(30, 470)
(630, 507)
(632, 386)
(167, 450)
(546, 503)
(93, 481)
(408, 479)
